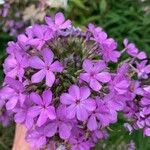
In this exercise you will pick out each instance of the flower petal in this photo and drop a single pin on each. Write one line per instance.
(147, 131)
(36, 62)
(92, 124)
(84, 93)
(66, 99)
(50, 78)
(51, 112)
(82, 114)
(12, 103)
(87, 65)
(56, 67)
(50, 129)
(74, 91)
(59, 18)
(95, 85)
(38, 77)
(64, 131)
(89, 104)
(103, 77)
(42, 118)
(47, 56)
(99, 66)
(66, 24)
(71, 111)
(47, 97)
(34, 111)
(49, 21)
(36, 98)
(85, 77)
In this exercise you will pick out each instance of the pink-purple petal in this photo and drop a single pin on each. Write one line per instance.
(95, 85)
(38, 77)
(51, 112)
(89, 104)
(59, 18)
(92, 123)
(103, 77)
(47, 97)
(50, 78)
(71, 111)
(74, 91)
(56, 67)
(34, 97)
(34, 111)
(42, 118)
(47, 56)
(64, 131)
(87, 65)
(36, 62)
(84, 93)
(66, 99)
(82, 113)
(50, 130)
(12, 103)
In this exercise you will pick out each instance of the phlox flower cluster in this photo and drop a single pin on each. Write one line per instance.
(67, 86)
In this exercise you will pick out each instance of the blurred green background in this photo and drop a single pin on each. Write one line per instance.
(120, 19)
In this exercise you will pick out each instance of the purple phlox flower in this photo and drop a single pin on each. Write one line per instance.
(5, 118)
(22, 116)
(102, 116)
(61, 125)
(135, 89)
(78, 102)
(14, 66)
(42, 110)
(120, 83)
(107, 45)
(98, 135)
(96, 31)
(80, 143)
(94, 74)
(58, 23)
(142, 69)
(46, 66)
(145, 103)
(130, 109)
(36, 138)
(116, 101)
(14, 48)
(23, 39)
(108, 50)
(133, 51)
(17, 96)
(5, 94)
(128, 127)
(131, 145)
(41, 34)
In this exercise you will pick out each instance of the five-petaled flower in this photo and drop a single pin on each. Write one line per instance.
(78, 102)
(58, 23)
(43, 110)
(94, 74)
(46, 67)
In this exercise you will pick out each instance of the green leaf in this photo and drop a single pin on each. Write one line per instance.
(103, 6)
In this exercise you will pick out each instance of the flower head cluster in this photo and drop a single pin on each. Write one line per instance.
(67, 86)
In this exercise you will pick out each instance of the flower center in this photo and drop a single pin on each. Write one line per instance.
(92, 74)
(47, 67)
(78, 102)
